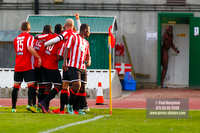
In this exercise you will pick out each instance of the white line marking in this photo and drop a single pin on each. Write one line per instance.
(73, 124)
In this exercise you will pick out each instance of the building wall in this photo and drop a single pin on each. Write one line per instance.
(132, 24)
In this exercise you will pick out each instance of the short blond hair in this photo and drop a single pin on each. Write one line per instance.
(25, 26)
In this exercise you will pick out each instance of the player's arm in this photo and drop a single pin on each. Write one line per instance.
(164, 37)
(59, 58)
(34, 53)
(67, 48)
(78, 22)
(41, 37)
(88, 57)
(54, 40)
(174, 48)
(36, 37)
(65, 66)
(61, 52)
(88, 60)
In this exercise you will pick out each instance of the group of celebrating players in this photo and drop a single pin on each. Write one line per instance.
(37, 64)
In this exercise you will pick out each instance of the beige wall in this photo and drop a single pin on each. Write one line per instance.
(132, 24)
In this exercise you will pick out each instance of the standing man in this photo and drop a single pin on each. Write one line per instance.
(79, 59)
(68, 26)
(50, 73)
(167, 39)
(64, 96)
(24, 66)
(40, 49)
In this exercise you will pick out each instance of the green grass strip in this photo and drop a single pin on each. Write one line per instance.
(121, 121)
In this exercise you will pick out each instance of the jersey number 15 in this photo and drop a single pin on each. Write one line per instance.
(20, 45)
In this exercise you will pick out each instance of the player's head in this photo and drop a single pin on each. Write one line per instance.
(85, 30)
(69, 24)
(25, 26)
(169, 31)
(47, 29)
(58, 29)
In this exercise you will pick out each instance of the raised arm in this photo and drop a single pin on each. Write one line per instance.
(78, 22)
(165, 34)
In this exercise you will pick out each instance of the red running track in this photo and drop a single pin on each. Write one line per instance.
(134, 99)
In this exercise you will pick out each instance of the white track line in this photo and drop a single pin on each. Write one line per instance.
(73, 124)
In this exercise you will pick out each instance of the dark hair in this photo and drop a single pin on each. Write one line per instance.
(25, 26)
(58, 28)
(83, 26)
(171, 27)
(47, 29)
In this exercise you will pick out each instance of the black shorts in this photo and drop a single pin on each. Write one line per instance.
(28, 76)
(51, 76)
(76, 74)
(38, 75)
(66, 76)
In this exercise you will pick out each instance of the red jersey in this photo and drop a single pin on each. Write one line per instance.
(24, 59)
(79, 48)
(39, 48)
(45, 37)
(51, 52)
(39, 45)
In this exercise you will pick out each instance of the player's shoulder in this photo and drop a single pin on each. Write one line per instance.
(86, 41)
(72, 35)
(35, 40)
(65, 32)
(60, 44)
(24, 35)
(53, 35)
(45, 35)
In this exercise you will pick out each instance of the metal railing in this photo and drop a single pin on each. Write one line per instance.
(100, 6)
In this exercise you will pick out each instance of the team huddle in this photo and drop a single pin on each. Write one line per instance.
(37, 64)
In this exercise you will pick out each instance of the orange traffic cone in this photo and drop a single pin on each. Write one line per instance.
(100, 100)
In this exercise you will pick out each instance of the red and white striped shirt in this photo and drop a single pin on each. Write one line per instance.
(24, 59)
(65, 34)
(79, 48)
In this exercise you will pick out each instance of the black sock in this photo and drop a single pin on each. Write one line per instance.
(14, 96)
(40, 93)
(31, 94)
(86, 105)
(63, 99)
(76, 104)
(46, 93)
(81, 98)
(51, 95)
(34, 98)
(72, 97)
